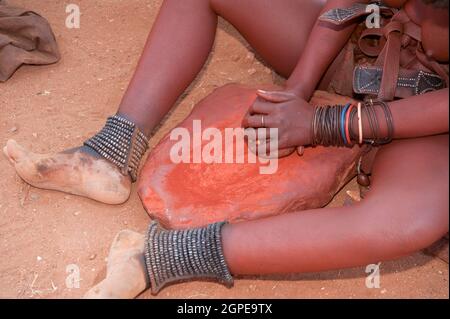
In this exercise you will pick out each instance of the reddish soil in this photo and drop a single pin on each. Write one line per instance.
(56, 107)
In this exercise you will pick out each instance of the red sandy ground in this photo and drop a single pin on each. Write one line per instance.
(56, 107)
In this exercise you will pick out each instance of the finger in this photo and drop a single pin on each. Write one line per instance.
(244, 120)
(269, 134)
(262, 134)
(257, 121)
(275, 96)
(300, 150)
(262, 149)
(285, 152)
(256, 136)
(255, 133)
(261, 106)
(265, 149)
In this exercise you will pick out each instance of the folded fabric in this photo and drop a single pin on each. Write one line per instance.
(25, 38)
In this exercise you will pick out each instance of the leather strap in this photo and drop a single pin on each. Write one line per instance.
(366, 39)
(390, 58)
(411, 32)
(433, 65)
(401, 68)
(340, 16)
(367, 80)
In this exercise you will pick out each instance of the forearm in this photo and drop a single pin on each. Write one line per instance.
(417, 116)
(324, 44)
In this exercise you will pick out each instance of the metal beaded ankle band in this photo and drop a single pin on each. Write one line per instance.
(122, 143)
(178, 255)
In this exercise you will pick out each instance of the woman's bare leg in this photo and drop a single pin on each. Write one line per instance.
(177, 47)
(405, 211)
(277, 30)
(176, 50)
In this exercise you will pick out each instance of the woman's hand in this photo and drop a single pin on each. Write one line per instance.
(286, 111)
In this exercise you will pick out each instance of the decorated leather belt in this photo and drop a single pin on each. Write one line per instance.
(367, 80)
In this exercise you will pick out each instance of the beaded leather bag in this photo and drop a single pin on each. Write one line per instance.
(384, 63)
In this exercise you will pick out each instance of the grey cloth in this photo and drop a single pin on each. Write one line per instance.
(25, 38)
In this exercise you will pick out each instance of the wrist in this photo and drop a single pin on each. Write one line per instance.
(299, 91)
(310, 129)
(331, 124)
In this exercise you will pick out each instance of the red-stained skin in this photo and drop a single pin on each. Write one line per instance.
(407, 207)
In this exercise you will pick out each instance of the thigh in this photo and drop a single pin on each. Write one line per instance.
(411, 178)
(277, 30)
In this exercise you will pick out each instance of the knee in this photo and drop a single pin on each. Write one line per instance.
(214, 3)
(219, 5)
(397, 231)
(423, 228)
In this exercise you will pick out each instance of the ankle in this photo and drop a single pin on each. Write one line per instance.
(90, 151)
(122, 143)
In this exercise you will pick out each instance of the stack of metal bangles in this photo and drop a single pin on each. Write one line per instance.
(332, 124)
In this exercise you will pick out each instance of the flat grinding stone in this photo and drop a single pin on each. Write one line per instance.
(189, 195)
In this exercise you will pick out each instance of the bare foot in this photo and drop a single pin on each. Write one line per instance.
(126, 275)
(79, 171)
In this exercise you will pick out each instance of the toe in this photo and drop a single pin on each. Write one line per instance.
(14, 151)
(96, 292)
(5, 151)
(128, 239)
